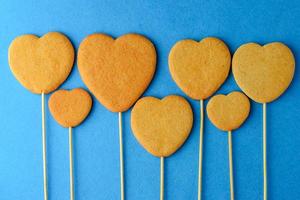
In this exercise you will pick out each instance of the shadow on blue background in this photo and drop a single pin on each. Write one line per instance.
(96, 140)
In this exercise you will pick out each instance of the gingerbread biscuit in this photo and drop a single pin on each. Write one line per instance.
(199, 68)
(228, 112)
(263, 72)
(161, 126)
(117, 71)
(41, 64)
(70, 108)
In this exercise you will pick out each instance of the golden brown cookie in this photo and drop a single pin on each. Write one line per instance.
(70, 108)
(117, 71)
(161, 126)
(263, 72)
(199, 68)
(41, 64)
(228, 112)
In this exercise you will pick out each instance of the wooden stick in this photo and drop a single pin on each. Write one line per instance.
(265, 150)
(44, 148)
(71, 164)
(121, 157)
(161, 178)
(200, 151)
(230, 165)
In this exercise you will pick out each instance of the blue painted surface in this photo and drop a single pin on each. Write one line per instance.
(96, 140)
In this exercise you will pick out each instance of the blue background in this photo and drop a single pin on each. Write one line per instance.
(96, 140)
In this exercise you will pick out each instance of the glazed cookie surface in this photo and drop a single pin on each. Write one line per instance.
(199, 68)
(70, 108)
(117, 71)
(41, 64)
(263, 72)
(162, 126)
(228, 112)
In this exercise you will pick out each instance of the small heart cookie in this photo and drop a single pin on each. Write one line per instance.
(70, 108)
(41, 64)
(199, 68)
(263, 72)
(117, 71)
(162, 126)
(228, 112)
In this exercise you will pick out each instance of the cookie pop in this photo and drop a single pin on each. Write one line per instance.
(41, 65)
(199, 69)
(263, 73)
(154, 123)
(69, 109)
(229, 113)
(117, 72)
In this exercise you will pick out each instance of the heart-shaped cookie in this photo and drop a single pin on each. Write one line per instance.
(199, 68)
(41, 64)
(162, 126)
(263, 72)
(117, 71)
(70, 108)
(228, 112)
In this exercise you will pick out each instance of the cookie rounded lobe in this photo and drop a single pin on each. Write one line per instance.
(117, 71)
(263, 72)
(162, 126)
(70, 108)
(199, 68)
(228, 112)
(41, 64)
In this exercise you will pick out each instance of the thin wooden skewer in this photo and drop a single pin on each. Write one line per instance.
(121, 156)
(200, 151)
(71, 164)
(265, 150)
(44, 148)
(230, 165)
(161, 178)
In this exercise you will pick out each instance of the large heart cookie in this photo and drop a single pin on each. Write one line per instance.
(199, 68)
(263, 72)
(162, 126)
(41, 64)
(117, 71)
(228, 112)
(70, 108)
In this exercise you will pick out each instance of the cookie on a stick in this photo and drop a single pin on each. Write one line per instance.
(263, 73)
(69, 109)
(117, 72)
(199, 69)
(154, 123)
(41, 65)
(228, 113)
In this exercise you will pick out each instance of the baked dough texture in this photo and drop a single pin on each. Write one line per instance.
(228, 112)
(117, 71)
(70, 108)
(162, 126)
(199, 68)
(41, 64)
(263, 72)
